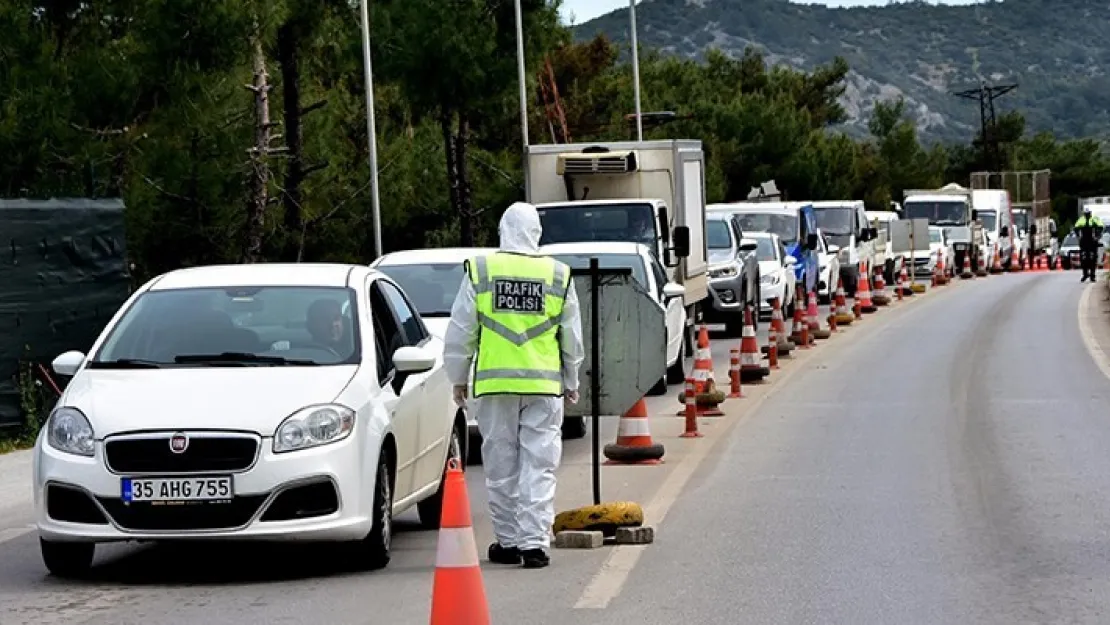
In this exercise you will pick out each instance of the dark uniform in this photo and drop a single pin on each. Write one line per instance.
(1089, 229)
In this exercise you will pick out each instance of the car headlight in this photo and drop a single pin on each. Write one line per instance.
(770, 279)
(69, 431)
(314, 426)
(726, 271)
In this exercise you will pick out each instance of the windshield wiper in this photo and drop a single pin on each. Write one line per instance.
(125, 363)
(240, 358)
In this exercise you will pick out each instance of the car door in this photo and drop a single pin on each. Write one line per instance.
(674, 311)
(402, 403)
(429, 391)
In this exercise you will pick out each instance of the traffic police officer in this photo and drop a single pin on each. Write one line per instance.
(518, 312)
(1089, 229)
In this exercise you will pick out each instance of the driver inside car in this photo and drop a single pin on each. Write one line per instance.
(325, 323)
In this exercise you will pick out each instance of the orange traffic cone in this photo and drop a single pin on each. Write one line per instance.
(751, 365)
(1015, 260)
(691, 410)
(844, 317)
(777, 335)
(458, 594)
(814, 320)
(881, 296)
(634, 444)
(863, 295)
(904, 283)
(703, 359)
(996, 262)
(941, 274)
(735, 392)
(967, 273)
(800, 334)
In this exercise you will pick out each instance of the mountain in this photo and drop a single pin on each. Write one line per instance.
(1056, 51)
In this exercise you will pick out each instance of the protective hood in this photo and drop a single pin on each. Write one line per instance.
(520, 229)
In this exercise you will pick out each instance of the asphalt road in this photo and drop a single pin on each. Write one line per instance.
(943, 462)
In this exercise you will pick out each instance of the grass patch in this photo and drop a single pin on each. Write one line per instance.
(8, 445)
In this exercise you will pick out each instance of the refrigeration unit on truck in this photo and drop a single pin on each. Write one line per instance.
(1031, 206)
(650, 192)
(950, 208)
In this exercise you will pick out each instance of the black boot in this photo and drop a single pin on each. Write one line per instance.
(535, 558)
(503, 555)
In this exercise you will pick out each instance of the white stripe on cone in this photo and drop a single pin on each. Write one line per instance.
(456, 548)
(701, 375)
(635, 426)
(748, 359)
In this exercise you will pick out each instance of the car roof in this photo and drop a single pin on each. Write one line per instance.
(261, 274)
(837, 204)
(757, 208)
(435, 255)
(594, 247)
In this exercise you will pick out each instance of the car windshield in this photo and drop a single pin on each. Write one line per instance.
(989, 218)
(948, 213)
(608, 261)
(1071, 240)
(935, 236)
(239, 326)
(765, 249)
(432, 288)
(579, 222)
(717, 234)
(834, 221)
(786, 226)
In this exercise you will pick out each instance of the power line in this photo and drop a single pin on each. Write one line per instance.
(986, 95)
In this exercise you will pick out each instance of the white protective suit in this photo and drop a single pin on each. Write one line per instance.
(522, 435)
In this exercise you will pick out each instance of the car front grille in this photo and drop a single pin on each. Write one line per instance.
(184, 516)
(206, 452)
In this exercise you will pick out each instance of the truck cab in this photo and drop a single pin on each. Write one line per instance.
(845, 225)
(994, 211)
(951, 208)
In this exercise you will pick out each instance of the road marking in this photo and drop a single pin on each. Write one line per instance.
(609, 580)
(1088, 334)
(15, 532)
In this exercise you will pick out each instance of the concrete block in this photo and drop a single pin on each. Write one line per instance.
(635, 535)
(579, 540)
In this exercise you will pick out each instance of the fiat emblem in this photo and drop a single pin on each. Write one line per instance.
(179, 442)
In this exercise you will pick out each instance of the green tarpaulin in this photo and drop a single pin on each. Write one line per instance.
(63, 274)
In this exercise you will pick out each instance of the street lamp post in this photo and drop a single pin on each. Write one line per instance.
(375, 203)
(523, 99)
(636, 70)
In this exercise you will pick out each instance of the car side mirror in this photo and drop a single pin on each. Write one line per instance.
(811, 241)
(834, 248)
(411, 359)
(68, 363)
(790, 261)
(748, 245)
(682, 241)
(672, 290)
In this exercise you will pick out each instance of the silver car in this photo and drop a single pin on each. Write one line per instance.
(733, 273)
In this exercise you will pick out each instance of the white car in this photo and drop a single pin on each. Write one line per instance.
(241, 402)
(646, 270)
(431, 278)
(940, 248)
(776, 273)
(829, 256)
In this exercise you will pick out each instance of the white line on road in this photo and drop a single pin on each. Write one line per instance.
(608, 582)
(15, 532)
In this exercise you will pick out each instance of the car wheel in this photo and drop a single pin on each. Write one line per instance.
(431, 509)
(374, 552)
(574, 427)
(67, 559)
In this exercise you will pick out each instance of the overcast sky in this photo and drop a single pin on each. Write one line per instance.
(584, 10)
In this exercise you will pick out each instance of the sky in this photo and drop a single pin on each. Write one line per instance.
(584, 10)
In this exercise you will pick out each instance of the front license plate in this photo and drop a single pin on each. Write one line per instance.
(137, 490)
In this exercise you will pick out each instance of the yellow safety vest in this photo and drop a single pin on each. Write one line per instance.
(519, 300)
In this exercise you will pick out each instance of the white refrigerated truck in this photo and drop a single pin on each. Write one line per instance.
(650, 192)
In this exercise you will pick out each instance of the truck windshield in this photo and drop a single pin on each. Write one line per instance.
(786, 226)
(834, 221)
(989, 219)
(582, 221)
(950, 213)
(717, 235)
(1021, 220)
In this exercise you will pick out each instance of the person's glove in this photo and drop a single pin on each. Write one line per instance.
(459, 391)
(572, 397)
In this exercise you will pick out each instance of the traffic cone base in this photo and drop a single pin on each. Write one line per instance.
(458, 593)
(634, 444)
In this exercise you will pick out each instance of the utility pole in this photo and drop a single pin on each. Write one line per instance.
(985, 94)
(371, 131)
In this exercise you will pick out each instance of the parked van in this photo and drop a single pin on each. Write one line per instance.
(796, 225)
(845, 225)
(993, 209)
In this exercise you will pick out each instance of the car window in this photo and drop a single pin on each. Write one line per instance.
(431, 287)
(765, 249)
(717, 234)
(412, 328)
(179, 327)
(388, 336)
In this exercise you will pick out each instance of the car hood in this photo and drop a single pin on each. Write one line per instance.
(721, 257)
(255, 399)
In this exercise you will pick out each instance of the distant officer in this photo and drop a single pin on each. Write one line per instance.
(1089, 229)
(519, 312)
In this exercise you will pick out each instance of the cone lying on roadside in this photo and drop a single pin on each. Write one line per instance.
(634, 444)
(458, 593)
(777, 334)
(814, 321)
(844, 317)
(751, 365)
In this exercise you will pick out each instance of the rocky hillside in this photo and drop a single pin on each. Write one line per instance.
(1058, 51)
